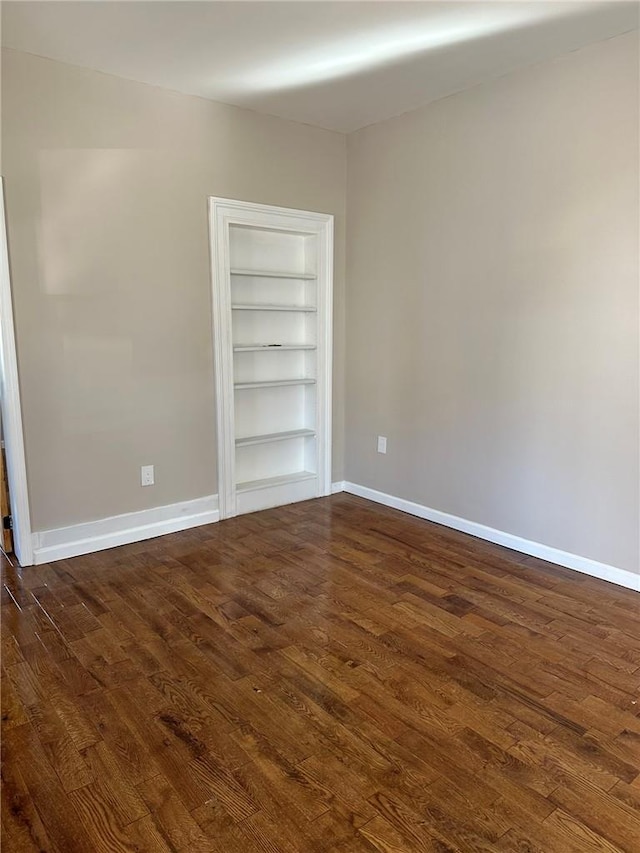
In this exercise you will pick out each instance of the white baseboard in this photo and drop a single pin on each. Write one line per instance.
(622, 577)
(78, 539)
(64, 542)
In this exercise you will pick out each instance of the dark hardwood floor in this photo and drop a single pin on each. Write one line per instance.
(329, 676)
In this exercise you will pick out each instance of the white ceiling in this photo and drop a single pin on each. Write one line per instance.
(339, 65)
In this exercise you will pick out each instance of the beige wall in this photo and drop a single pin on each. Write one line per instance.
(492, 304)
(106, 191)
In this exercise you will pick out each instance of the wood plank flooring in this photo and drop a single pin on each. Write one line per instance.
(330, 676)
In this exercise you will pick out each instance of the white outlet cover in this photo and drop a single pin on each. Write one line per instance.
(382, 444)
(147, 475)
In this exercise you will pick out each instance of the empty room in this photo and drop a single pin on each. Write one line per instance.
(320, 420)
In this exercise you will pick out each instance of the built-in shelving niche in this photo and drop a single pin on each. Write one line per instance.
(272, 289)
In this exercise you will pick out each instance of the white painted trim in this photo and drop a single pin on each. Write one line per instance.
(11, 408)
(622, 577)
(254, 500)
(324, 351)
(222, 355)
(78, 539)
(223, 213)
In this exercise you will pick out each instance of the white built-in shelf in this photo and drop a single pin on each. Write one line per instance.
(272, 292)
(303, 276)
(272, 347)
(273, 383)
(275, 436)
(254, 307)
(269, 482)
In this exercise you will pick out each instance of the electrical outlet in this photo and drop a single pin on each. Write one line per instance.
(382, 444)
(146, 475)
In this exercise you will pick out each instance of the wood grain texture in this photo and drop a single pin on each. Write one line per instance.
(6, 540)
(329, 676)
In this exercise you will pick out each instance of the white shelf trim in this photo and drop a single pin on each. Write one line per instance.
(272, 383)
(269, 482)
(275, 436)
(272, 347)
(303, 276)
(255, 307)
